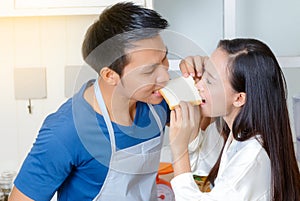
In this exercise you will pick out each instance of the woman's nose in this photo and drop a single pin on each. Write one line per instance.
(199, 86)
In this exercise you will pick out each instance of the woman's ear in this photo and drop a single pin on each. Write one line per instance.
(109, 76)
(240, 99)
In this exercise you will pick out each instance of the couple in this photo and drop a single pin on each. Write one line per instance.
(104, 143)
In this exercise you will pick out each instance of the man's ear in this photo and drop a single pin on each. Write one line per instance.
(240, 99)
(109, 76)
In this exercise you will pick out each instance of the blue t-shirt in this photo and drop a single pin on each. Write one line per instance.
(72, 151)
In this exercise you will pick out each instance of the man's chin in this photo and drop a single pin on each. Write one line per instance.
(154, 101)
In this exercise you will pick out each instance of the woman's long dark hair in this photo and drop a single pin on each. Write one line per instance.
(253, 69)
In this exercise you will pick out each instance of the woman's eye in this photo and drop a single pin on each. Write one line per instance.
(207, 81)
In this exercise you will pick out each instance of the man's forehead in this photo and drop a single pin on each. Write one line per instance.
(153, 44)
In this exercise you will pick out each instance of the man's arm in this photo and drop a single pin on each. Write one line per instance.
(17, 195)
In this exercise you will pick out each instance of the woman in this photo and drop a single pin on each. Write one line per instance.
(244, 85)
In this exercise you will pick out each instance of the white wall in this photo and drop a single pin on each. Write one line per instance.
(51, 42)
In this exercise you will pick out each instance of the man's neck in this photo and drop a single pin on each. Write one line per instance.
(121, 109)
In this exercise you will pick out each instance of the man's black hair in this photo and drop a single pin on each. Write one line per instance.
(117, 27)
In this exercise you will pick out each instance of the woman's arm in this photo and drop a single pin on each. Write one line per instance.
(184, 125)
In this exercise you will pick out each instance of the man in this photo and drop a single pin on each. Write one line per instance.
(104, 143)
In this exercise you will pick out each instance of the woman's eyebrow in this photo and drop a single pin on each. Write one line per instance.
(210, 74)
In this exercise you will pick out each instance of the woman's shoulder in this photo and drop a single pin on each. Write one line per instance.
(247, 165)
(249, 150)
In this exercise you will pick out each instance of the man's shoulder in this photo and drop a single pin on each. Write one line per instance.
(59, 123)
(62, 115)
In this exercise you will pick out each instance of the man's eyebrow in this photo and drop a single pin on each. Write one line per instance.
(166, 54)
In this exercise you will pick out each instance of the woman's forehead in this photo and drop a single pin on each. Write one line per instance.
(218, 60)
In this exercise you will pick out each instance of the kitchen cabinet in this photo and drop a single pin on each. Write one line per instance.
(195, 25)
(205, 22)
(13, 8)
(66, 3)
(275, 22)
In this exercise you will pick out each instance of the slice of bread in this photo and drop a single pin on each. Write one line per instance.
(180, 89)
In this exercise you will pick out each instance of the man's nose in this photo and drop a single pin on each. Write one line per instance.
(163, 76)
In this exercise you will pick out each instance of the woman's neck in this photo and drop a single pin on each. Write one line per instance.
(229, 119)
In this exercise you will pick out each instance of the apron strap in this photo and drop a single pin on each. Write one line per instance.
(157, 119)
(105, 114)
(107, 120)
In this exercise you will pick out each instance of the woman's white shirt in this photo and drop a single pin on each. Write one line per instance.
(205, 149)
(244, 174)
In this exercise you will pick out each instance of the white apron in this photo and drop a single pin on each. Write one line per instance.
(132, 171)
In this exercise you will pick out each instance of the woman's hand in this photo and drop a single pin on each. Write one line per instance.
(193, 65)
(184, 126)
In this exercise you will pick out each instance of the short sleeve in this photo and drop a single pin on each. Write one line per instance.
(45, 168)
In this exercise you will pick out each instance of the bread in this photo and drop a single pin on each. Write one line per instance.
(180, 89)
